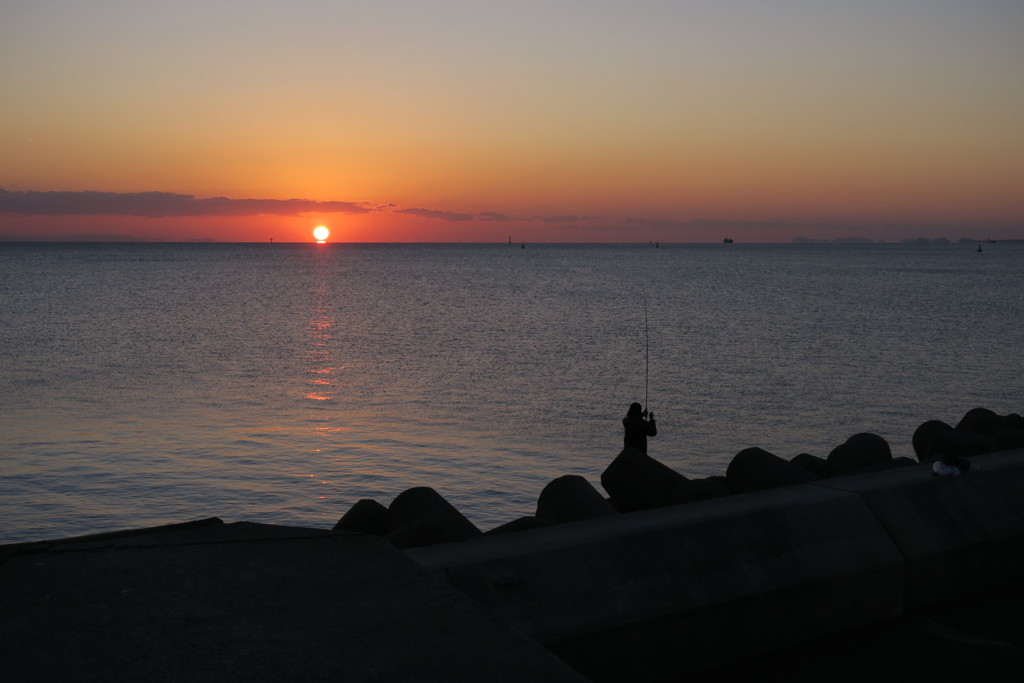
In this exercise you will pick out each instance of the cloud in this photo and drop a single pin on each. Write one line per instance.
(492, 216)
(434, 214)
(701, 223)
(160, 205)
(567, 219)
(169, 204)
(79, 237)
(455, 217)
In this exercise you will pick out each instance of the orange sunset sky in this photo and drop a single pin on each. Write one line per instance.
(474, 121)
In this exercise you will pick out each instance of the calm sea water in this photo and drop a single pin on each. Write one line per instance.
(145, 384)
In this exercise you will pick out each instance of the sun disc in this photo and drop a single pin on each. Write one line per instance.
(321, 233)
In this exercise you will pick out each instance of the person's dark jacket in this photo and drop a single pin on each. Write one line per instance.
(637, 431)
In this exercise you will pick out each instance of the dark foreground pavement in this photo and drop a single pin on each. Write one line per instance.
(246, 602)
(208, 601)
(975, 639)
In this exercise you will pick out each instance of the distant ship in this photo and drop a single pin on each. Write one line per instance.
(727, 240)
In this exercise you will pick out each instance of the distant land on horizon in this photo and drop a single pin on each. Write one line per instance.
(908, 240)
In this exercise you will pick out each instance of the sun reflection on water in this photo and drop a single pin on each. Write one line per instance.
(323, 368)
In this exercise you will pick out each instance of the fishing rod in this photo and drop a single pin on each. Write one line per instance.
(647, 348)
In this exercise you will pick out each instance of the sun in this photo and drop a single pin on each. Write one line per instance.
(321, 233)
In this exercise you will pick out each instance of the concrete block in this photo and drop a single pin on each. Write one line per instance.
(951, 444)
(571, 498)
(755, 469)
(892, 464)
(692, 490)
(923, 435)
(421, 516)
(985, 421)
(636, 481)
(366, 516)
(860, 453)
(817, 466)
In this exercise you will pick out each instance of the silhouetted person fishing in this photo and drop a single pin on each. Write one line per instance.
(639, 425)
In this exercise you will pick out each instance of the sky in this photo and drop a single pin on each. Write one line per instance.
(535, 121)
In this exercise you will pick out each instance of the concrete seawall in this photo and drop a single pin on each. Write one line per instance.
(656, 594)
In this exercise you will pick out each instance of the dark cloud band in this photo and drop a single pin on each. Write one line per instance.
(160, 205)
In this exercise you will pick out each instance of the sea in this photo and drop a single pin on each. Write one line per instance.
(150, 383)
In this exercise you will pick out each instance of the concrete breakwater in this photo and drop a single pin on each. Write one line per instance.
(696, 574)
(618, 591)
(635, 481)
(659, 594)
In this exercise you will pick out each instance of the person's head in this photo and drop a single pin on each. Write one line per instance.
(635, 409)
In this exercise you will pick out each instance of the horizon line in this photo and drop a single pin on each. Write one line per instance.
(853, 240)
